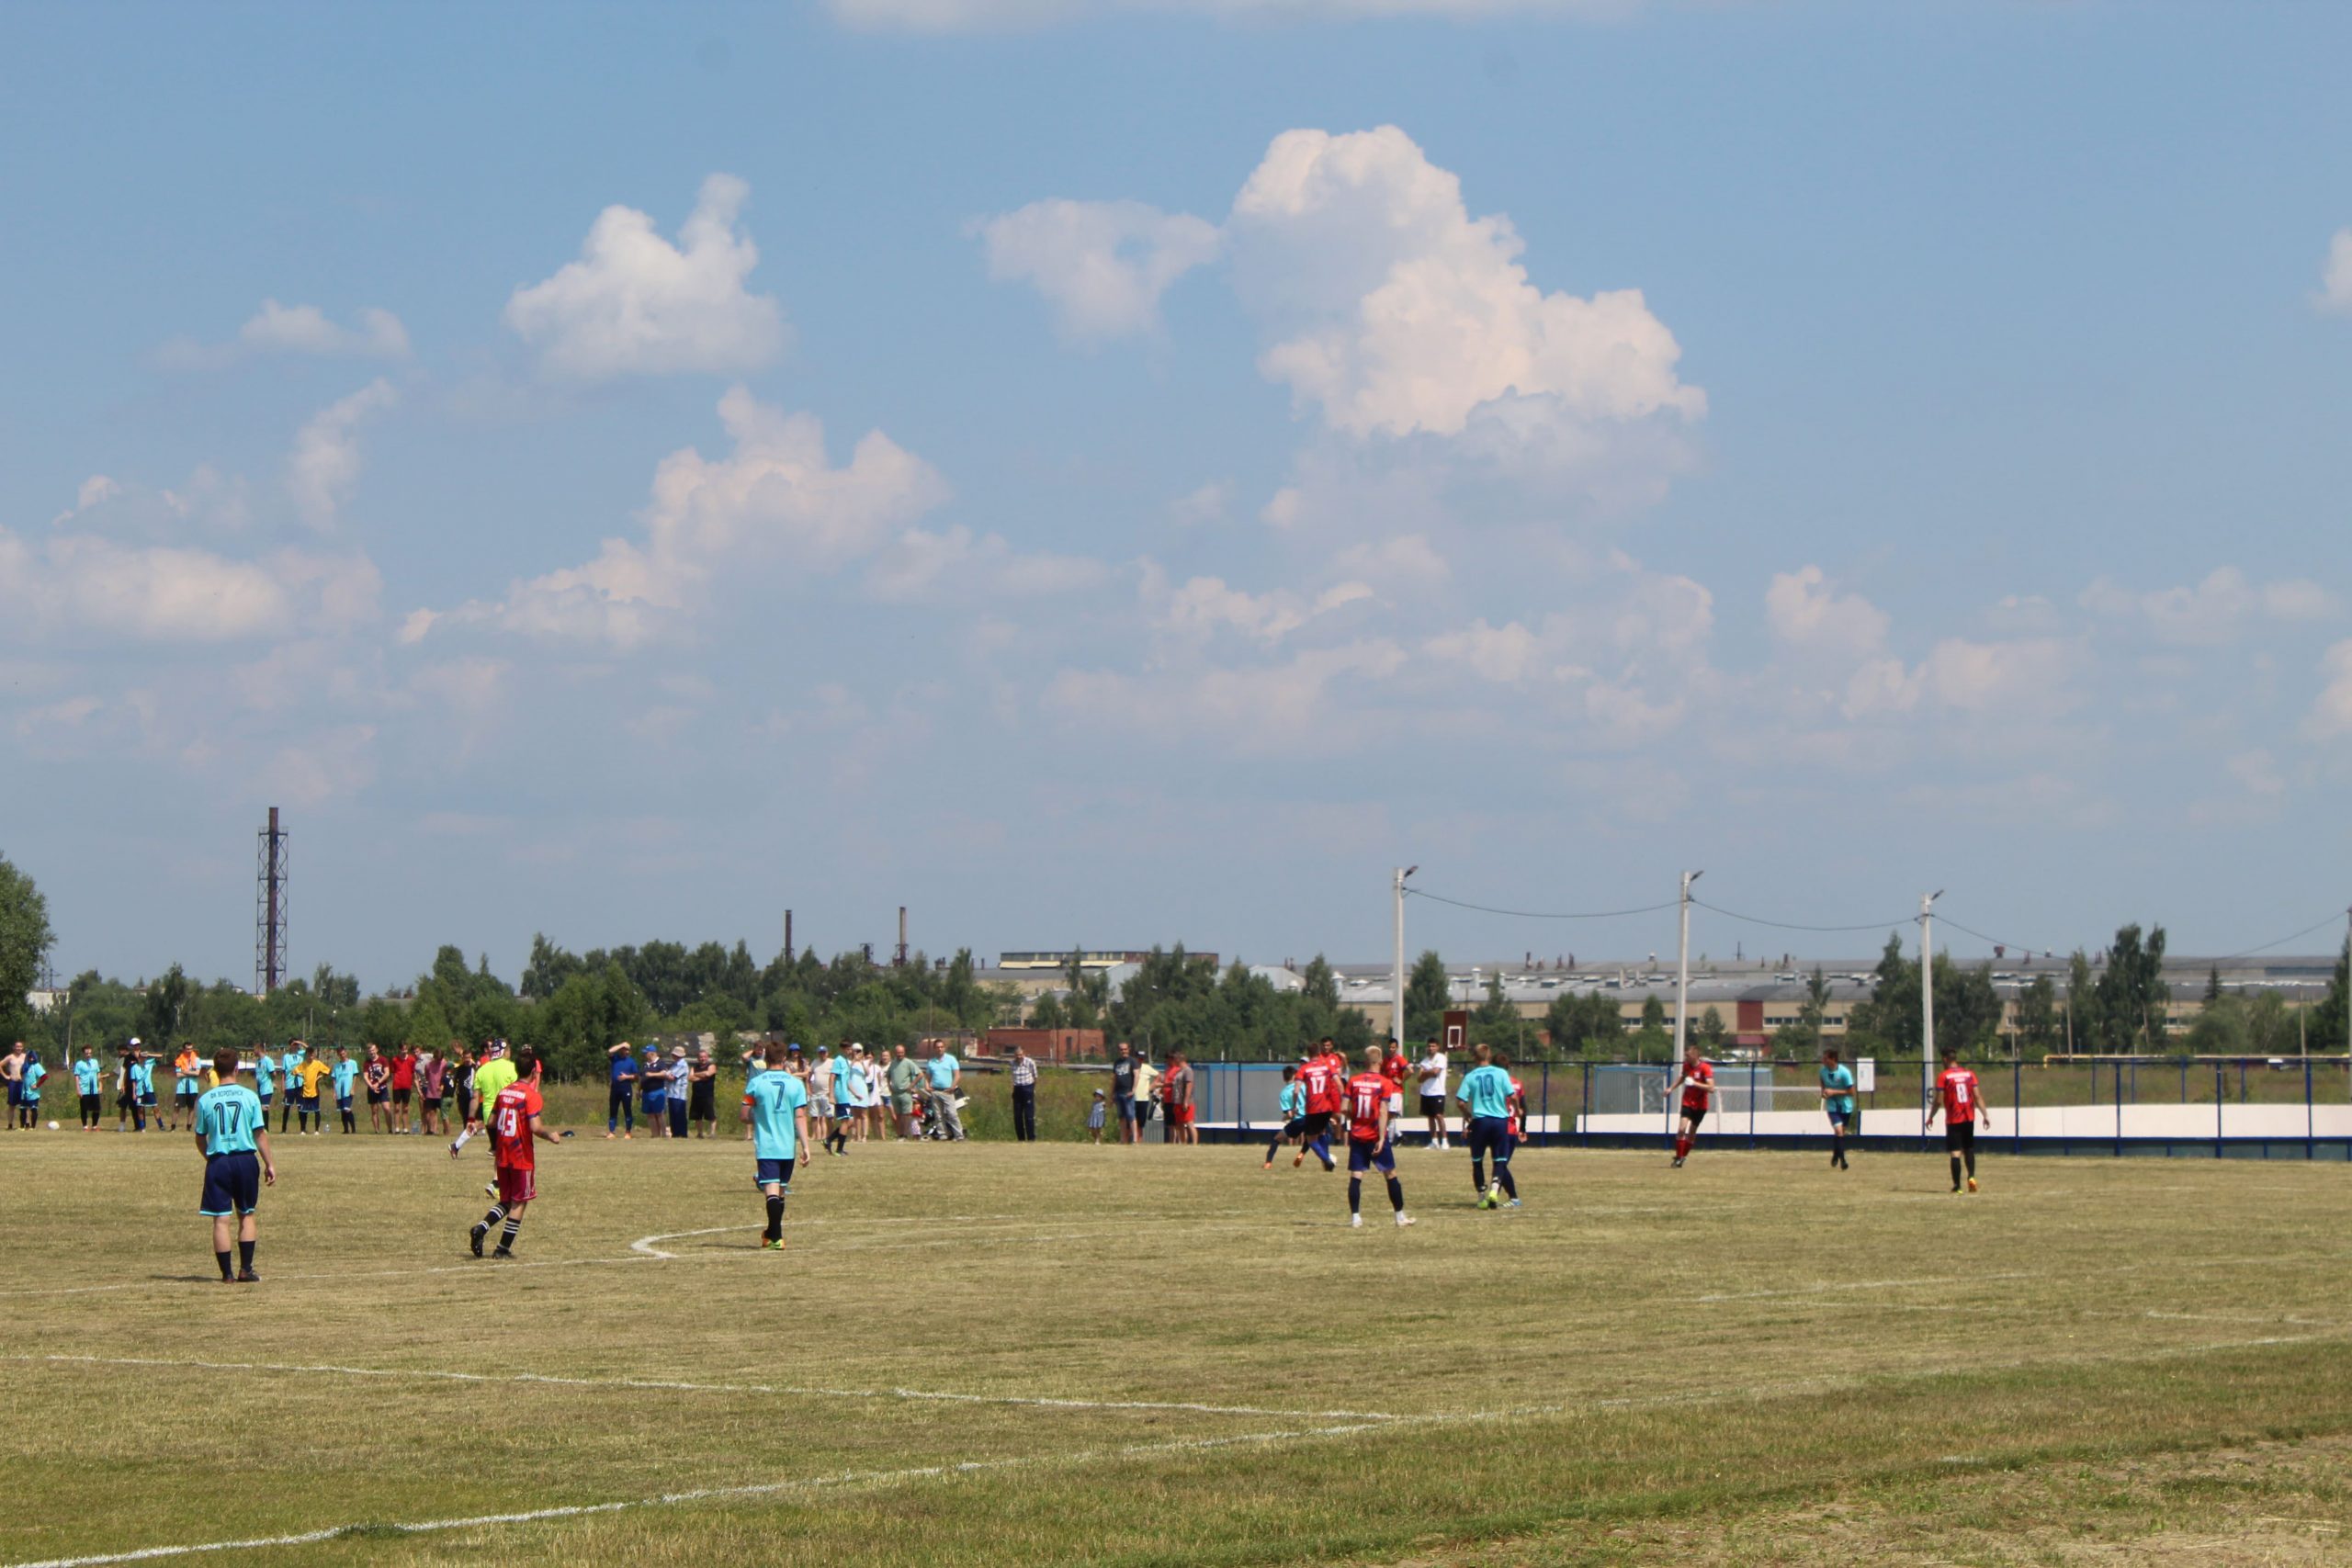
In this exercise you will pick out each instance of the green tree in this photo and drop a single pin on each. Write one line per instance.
(160, 1019)
(2039, 1028)
(1711, 1031)
(1428, 994)
(2081, 1019)
(2131, 993)
(1584, 1024)
(1495, 1020)
(24, 941)
(2328, 1020)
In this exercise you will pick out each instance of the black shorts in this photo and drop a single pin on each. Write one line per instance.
(433, 1103)
(400, 1097)
(1433, 1105)
(90, 1106)
(702, 1102)
(1694, 1115)
(1315, 1124)
(186, 1098)
(231, 1185)
(374, 1097)
(1960, 1136)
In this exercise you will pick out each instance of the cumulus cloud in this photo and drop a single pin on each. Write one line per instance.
(1102, 266)
(922, 565)
(2213, 611)
(325, 464)
(636, 304)
(1200, 607)
(776, 500)
(296, 329)
(2331, 715)
(1804, 611)
(1394, 312)
(2335, 276)
(1262, 708)
(995, 15)
(2023, 675)
(87, 586)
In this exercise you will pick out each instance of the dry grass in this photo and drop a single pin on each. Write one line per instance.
(1752, 1360)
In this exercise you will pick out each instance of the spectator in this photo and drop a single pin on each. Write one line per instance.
(403, 1087)
(433, 1075)
(1094, 1118)
(1122, 1092)
(1139, 1107)
(702, 1093)
(377, 1076)
(946, 1080)
(905, 1078)
(621, 1097)
(1180, 1099)
(653, 1088)
(1024, 1096)
(680, 1075)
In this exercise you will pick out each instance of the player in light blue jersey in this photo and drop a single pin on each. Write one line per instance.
(289, 1071)
(777, 1103)
(1484, 1096)
(1838, 1100)
(89, 1075)
(1292, 1108)
(233, 1136)
(265, 1078)
(344, 1074)
(30, 1078)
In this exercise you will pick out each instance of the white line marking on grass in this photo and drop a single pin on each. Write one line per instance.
(436, 1375)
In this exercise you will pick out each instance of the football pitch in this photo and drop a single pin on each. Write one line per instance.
(1005, 1353)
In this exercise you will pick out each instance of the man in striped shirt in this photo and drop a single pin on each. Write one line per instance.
(1025, 1095)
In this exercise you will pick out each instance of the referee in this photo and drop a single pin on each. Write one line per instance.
(229, 1130)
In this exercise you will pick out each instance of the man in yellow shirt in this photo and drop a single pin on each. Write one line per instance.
(313, 1072)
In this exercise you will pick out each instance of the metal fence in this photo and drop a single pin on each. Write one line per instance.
(2253, 1107)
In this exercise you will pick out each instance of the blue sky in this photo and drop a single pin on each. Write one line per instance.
(1119, 473)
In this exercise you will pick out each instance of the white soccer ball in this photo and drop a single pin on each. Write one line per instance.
(52, 1126)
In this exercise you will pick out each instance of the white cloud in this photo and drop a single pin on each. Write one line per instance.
(1102, 265)
(636, 304)
(2336, 278)
(1198, 608)
(296, 329)
(2213, 611)
(996, 15)
(1207, 504)
(1265, 708)
(1806, 612)
(2331, 715)
(1406, 559)
(337, 761)
(1396, 312)
(775, 498)
(2258, 771)
(920, 565)
(2024, 677)
(324, 463)
(85, 586)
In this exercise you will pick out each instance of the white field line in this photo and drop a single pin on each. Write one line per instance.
(434, 1374)
(979, 1467)
(1830, 1287)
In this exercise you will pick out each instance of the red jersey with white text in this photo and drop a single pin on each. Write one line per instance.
(1958, 1086)
(1321, 1080)
(1517, 1109)
(1394, 1069)
(510, 1127)
(1367, 1097)
(1694, 1094)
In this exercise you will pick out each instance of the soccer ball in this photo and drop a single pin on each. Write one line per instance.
(52, 1126)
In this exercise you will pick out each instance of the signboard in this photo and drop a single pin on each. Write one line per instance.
(1457, 1032)
(1865, 1074)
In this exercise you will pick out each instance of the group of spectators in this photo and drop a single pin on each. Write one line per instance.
(854, 1094)
(404, 1091)
(1139, 1090)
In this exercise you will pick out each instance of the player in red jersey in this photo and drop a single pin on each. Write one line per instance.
(513, 1131)
(1368, 1138)
(1962, 1104)
(1396, 1069)
(1698, 1085)
(1321, 1076)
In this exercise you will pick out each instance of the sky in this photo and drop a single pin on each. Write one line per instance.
(1110, 472)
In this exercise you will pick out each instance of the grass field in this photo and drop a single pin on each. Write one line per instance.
(997, 1353)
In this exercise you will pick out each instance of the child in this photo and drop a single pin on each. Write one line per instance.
(1094, 1117)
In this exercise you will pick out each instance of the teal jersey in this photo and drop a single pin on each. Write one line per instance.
(1293, 1104)
(265, 1072)
(88, 1074)
(142, 1078)
(289, 1065)
(226, 1118)
(344, 1072)
(841, 1082)
(1840, 1077)
(34, 1073)
(774, 1096)
(1487, 1091)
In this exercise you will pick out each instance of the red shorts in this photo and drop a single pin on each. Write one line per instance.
(516, 1186)
(1180, 1115)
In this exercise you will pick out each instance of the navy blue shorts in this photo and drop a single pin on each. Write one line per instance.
(777, 1171)
(1362, 1156)
(1490, 1135)
(1839, 1119)
(232, 1184)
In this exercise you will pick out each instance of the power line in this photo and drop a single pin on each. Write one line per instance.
(1795, 926)
(2025, 947)
(1539, 914)
(2328, 920)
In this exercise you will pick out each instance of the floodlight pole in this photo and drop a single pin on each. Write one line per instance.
(1397, 975)
(1682, 992)
(1928, 1002)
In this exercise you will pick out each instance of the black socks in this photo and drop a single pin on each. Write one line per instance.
(776, 1217)
(227, 1273)
(1396, 1194)
(1478, 1174)
(1355, 1194)
(1502, 1174)
(246, 1256)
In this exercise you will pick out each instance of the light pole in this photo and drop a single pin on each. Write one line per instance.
(1397, 975)
(1681, 991)
(1928, 1002)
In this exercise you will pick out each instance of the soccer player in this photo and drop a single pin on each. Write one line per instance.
(310, 1076)
(1962, 1104)
(1432, 1072)
(1396, 1069)
(494, 1074)
(1293, 1108)
(841, 1075)
(142, 1083)
(1368, 1143)
(265, 1079)
(30, 1075)
(1698, 1085)
(1838, 1100)
(777, 1103)
(1320, 1077)
(513, 1130)
(621, 1097)
(186, 1066)
(289, 1068)
(89, 1074)
(230, 1130)
(1485, 1095)
(377, 1076)
(345, 1073)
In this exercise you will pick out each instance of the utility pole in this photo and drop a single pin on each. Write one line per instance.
(1681, 994)
(1928, 1002)
(1397, 1011)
